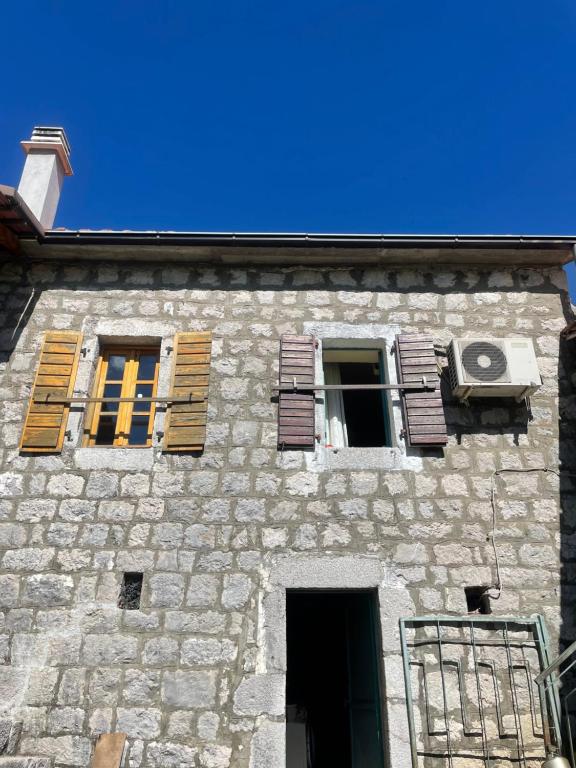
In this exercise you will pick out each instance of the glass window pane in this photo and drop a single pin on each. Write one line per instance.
(111, 390)
(143, 390)
(138, 431)
(146, 367)
(106, 429)
(116, 365)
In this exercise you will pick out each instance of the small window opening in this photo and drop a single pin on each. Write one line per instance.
(356, 418)
(333, 694)
(478, 600)
(124, 373)
(130, 591)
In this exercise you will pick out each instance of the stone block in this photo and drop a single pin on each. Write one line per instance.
(237, 588)
(63, 720)
(47, 589)
(268, 745)
(166, 590)
(102, 650)
(64, 750)
(207, 651)
(260, 695)
(138, 723)
(141, 686)
(189, 690)
(170, 755)
(202, 591)
(215, 756)
(65, 484)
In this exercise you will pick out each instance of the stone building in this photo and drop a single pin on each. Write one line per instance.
(224, 593)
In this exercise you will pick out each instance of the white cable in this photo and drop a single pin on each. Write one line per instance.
(498, 586)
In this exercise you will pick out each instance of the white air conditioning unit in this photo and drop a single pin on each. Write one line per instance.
(493, 368)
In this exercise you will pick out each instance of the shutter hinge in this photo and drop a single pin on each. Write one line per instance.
(169, 350)
(83, 351)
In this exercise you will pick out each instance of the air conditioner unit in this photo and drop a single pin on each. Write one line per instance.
(493, 368)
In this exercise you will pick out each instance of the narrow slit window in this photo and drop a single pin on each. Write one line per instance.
(357, 417)
(130, 591)
(124, 373)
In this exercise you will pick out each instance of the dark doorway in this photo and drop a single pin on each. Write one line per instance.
(332, 687)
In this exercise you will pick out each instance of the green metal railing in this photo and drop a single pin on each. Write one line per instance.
(492, 653)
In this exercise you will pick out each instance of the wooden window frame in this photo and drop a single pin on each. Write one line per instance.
(128, 389)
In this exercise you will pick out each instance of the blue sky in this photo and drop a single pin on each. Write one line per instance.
(388, 116)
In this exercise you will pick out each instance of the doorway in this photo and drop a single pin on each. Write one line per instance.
(333, 716)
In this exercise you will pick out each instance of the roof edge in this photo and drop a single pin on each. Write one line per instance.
(305, 240)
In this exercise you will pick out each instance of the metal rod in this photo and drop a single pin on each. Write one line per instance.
(556, 663)
(408, 685)
(566, 708)
(47, 400)
(329, 387)
(444, 695)
(517, 718)
(485, 747)
(551, 692)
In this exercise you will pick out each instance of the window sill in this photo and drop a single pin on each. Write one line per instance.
(114, 457)
(386, 458)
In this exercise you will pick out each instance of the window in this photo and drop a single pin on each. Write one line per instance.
(357, 417)
(124, 372)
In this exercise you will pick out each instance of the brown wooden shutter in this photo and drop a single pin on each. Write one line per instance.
(185, 428)
(424, 419)
(296, 410)
(45, 423)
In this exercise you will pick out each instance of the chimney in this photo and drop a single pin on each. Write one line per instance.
(47, 162)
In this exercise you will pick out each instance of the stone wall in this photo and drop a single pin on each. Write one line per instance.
(195, 678)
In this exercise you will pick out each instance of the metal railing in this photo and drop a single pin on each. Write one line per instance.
(556, 682)
(471, 692)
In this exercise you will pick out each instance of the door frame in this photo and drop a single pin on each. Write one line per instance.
(330, 572)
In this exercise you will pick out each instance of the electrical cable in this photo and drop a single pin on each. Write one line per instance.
(499, 586)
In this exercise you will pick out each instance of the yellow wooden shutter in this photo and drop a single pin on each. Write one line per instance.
(185, 428)
(45, 423)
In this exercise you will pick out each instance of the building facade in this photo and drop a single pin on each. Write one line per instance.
(176, 574)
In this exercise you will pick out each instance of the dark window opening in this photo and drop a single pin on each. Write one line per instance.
(478, 600)
(356, 418)
(130, 591)
(333, 717)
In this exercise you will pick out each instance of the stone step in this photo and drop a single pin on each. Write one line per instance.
(24, 761)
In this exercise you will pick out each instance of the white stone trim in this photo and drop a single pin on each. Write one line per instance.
(268, 748)
(396, 457)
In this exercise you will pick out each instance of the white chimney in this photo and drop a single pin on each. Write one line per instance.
(47, 162)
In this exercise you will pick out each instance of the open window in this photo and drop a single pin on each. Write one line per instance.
(357, 417)
(125, 386)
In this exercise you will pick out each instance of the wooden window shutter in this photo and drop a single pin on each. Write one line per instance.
(424, 421)
(185, 428)
(45, 424)
(296, 410)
